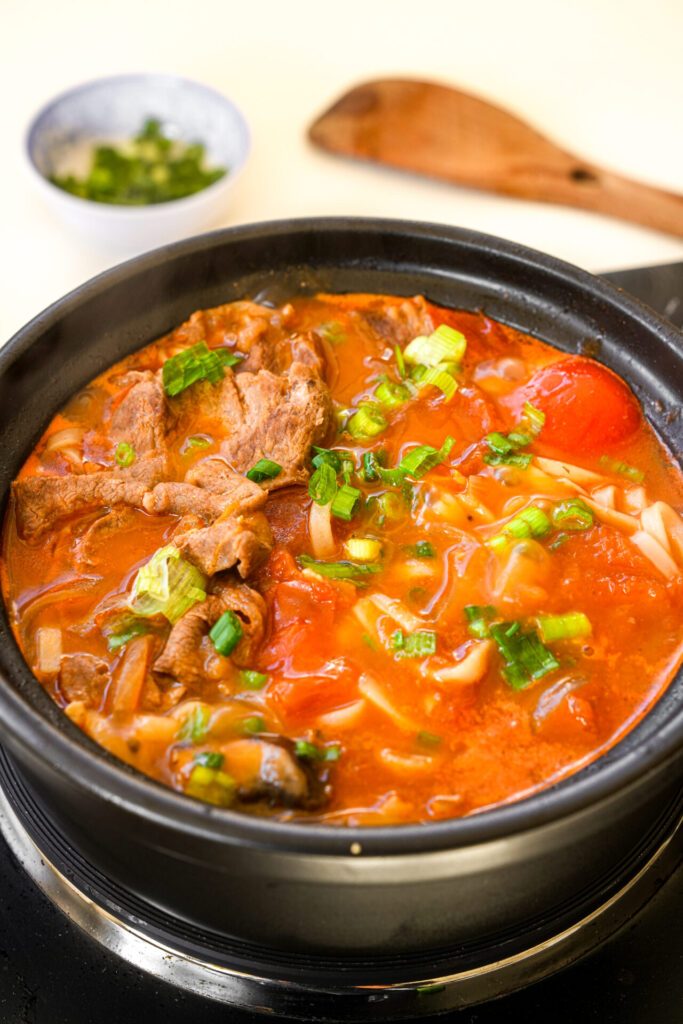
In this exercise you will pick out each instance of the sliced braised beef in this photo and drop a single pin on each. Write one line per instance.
(268, 769)
(399, 324)
(184, 499)
(41, 500)
(215, 474)
(83, 677)
(275, 417)
(88, 546)
(185, 653)
(242, 541)
(141, 417)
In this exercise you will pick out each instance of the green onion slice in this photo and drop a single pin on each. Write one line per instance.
(252, 724)
(440, 378)
(423, 458)
(564, 627)
(228, 357)
(345, 502)
(211, 785)
(210, 759)
(429, 739)
(322, 486)
(414, 645)
(400, 361)
(533, 419)
(622, 469)
(124, 454)
(187, 367)
(392, 395)
(195, 725)
(264, 469)
(226, 633)
(478, 617)
(423, 549)
(196, 441)
(367, 422)
(167, 585)
(338, 570)
(253, 680)
(125, 630)
(530, 522)
(304, 748)
(445, 344)
(573, 514)
(526, 658)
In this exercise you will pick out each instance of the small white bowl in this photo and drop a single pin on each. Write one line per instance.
(115, 108)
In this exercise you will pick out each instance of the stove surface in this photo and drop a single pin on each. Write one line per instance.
(53, 973)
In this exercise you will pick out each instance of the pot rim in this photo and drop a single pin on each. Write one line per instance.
(76, 757)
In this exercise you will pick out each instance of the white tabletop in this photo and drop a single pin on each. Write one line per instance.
(601, 77)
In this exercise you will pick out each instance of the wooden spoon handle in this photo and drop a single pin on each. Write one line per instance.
(594, 188)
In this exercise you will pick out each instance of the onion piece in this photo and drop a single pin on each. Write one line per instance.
(635, 500)
(320, 530)
(619, 520)
(130, 674)
(405, 763)
(663, 523)
(655, 553)
(342, 717)
(371, 689)
(70, 437)
(606, 496)
(469, 669)
(397, 611)
(576, 474)
(49, 649)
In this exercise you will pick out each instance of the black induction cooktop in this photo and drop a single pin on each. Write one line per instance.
(53, 973)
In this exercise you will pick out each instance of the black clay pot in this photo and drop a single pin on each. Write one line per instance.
(529, 867)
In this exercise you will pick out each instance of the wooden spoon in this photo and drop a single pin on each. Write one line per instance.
(445, 133)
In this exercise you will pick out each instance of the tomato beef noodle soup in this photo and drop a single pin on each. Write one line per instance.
(358, 560)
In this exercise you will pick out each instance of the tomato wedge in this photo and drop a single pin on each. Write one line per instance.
(587, 407)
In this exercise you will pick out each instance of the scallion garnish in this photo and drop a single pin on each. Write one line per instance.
(337, 570)
(423, 549)
(195, 725)
(210, 759)
(504, 451)
(573, 514)
(337, 458)
(400, 361)
(414, 645)
(322, 486)
(478, 617)
(211, 785)
(392, 395)
(439, 377)
(429, 739)
(253, 680)
(125, 630)
(304, 748)
(526, 659)
(226, 633)
(228, 357)
(564, 627)
(532, 420)
(124, 454)
(252, 724)
(622, 469)
(367, 422)
(445, 344)
(423, 458)
(345, 502)
(196, 441)
(264, 469)
(372, 465)
(190, 365)
(387, 507)
(333, 332)
(530, 522)
(363, 549)
(167, 585)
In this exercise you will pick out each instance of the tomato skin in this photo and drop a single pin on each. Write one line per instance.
(587, 407)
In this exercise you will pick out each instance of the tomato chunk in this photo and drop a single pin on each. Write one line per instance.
(587, 407)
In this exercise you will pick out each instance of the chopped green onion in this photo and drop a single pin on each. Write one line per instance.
(196, 441)
(504, 450)
(530, 522)
(429, 739)
(190, 365)
(227, 357)
(526, 659)
(400, 361)
(345, 502)
(336, 458)
(423, 549)
(211, 785)
(304, 748)
(372, 465)
(337, 570)
(226, 633)
(558, 542)
(367, 422)
(423, 458)
(253, 680)
(167, 585)
(254, 723)
(392, 395)
(414, 645)
(478, 617)
(440, 378)
(387, 507)
(564, 627)
(124, 454)
(444, 345)
(622, 469)
(363, 549)
(125, 631)
(333, 332)
(265, 469)
(195, 726)
(573, 514)
(533, 419)
(418, 372)
(369, 641)
(322, 486)
(210, 759)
